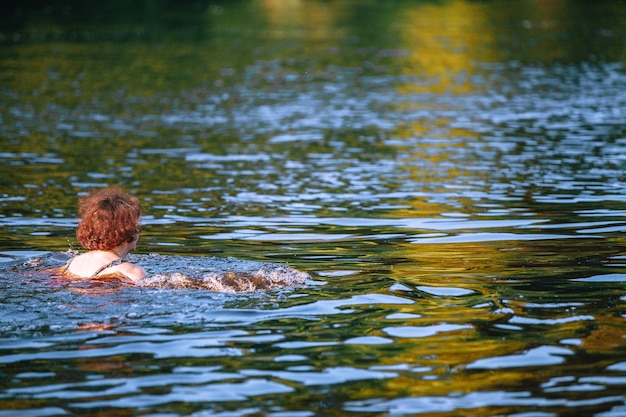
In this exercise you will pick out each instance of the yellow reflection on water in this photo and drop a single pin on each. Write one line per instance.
(314, 20)
(444, 41)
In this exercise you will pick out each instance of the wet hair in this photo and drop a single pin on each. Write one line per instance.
(109, 217)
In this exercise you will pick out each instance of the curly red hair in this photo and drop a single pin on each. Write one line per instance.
(109, 217)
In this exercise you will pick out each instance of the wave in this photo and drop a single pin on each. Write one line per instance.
(229, 275)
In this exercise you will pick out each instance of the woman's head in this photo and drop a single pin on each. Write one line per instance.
(109, 217)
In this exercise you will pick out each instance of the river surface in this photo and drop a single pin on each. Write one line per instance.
(448, 176)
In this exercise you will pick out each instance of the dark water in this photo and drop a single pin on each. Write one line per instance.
(450, 174)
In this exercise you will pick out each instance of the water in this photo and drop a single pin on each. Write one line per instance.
(450, 175)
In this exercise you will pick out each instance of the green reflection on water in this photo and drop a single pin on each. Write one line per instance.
(167, 100)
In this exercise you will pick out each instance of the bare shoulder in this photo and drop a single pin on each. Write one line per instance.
(81, 265)
(132, 271)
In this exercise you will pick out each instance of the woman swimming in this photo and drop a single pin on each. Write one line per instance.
(109, 228)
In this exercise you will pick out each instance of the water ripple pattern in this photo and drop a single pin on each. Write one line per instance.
(350, 208)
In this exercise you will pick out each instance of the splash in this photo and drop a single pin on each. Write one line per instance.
(230, 275)
(227, 275)
(264, 279)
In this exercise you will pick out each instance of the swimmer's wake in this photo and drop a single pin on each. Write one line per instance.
(227, 275)
(220, 275)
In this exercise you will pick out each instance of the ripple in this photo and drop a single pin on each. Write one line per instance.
(424, 331)
(445, 291)
(439, 404)
(540, 356)
(172, 349)
(368, 340)
(492, 237)
(329, 376)
(549, 322)
(36, 412)
(603, 278)
(195, 394)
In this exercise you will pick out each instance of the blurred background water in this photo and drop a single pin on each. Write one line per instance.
(450, 174)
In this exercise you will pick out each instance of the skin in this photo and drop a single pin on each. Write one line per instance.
(86, 264)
